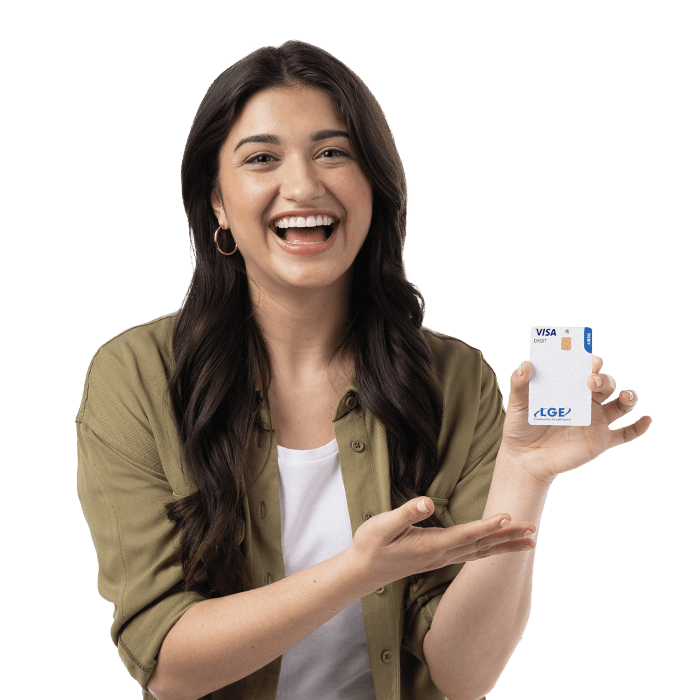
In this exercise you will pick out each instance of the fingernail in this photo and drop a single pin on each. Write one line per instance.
(520, 370)
(422, 507)
(527, 533)
(631, 393)
(526, 547)
(598, 381)
(504, 522)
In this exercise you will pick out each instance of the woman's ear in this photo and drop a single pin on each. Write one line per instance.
(218, 207)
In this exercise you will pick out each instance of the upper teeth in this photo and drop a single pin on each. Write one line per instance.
(303, 221)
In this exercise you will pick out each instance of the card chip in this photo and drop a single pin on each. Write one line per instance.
(566, 343)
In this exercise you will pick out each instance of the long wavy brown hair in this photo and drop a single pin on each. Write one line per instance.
(218, 348)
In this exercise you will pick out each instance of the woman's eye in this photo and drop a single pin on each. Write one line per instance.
(334, 150)
(256, 160)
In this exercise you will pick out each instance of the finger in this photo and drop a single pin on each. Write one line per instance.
(625, 402)
(512, 537)
(597, 363)
(520, 387)
(418, 509)
(395, 522)
(519, 545)
(602, 386)
(514, 531)
(480, 535)
(470, 533)
(482, 549)
(631, 432)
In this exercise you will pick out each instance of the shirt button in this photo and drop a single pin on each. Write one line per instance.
(367, 516)
(358, 445)
(269, 577)
(351, 402)
(263, 510)
(387, 656)
(380, 590)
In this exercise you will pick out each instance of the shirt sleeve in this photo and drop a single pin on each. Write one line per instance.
(123, 495)
(465, 504)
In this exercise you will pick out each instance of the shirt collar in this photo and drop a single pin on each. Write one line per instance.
(348, 401)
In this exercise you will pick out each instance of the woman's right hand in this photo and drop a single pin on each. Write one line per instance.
(388, 546)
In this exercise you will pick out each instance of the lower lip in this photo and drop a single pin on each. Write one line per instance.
(307, 248)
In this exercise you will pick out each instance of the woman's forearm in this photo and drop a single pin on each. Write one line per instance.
(219, 641)
(483, 613)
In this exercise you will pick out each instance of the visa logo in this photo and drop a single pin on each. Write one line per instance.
(546, 331)
(552, 412)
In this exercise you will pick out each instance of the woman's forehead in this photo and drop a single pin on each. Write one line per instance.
(287, 108)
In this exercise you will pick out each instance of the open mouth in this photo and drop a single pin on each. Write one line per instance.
(326, 230)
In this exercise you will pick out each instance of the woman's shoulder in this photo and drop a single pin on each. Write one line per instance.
(144, 341)
(453, 358)
(470, 389)
(129, 367)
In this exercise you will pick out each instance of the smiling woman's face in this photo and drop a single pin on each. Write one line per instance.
(296, 159)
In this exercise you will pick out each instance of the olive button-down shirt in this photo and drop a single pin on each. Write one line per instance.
(130, 465)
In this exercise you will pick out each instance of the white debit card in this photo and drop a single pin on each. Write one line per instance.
(561, 359)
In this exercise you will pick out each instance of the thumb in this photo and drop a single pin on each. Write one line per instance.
(419, 508)
(520, 387)
(406, 515)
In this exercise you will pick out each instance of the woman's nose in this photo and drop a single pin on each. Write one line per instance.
(300, 181)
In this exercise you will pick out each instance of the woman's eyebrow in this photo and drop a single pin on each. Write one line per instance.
(271, 138)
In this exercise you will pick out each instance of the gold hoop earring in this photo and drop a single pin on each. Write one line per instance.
(216, 233)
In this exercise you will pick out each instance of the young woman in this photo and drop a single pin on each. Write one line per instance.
(252, 468)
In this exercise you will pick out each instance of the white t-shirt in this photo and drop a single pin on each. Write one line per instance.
(332, 662)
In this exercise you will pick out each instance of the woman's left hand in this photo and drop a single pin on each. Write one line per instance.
(547, 450)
